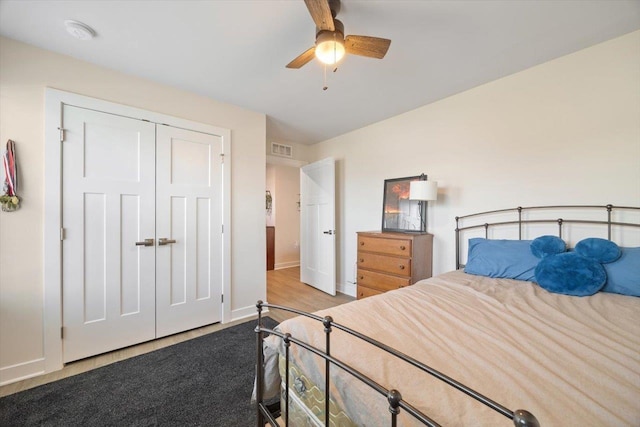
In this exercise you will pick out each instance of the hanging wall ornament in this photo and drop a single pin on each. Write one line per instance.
(10, 200)
(269, 202)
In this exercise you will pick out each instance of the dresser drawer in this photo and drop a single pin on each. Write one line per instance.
(400, 247)
(364, 292)
(381, 281)
(395, 265)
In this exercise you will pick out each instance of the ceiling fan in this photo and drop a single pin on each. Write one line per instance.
(331, 44)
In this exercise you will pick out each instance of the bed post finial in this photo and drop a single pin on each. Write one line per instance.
(609, 209)
(394, 397)
(259, 367)
(519, 222)
(522, 418)
(327, 367)
(457, 243)
(560, 227)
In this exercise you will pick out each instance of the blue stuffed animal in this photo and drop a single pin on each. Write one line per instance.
(578, 272)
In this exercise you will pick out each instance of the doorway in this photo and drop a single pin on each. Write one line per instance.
(282, 215)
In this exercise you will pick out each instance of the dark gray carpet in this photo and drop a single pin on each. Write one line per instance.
(206, 381)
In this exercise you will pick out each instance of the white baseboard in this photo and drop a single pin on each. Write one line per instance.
(21, 371)
(245, 312)
(289, 264)
(347, 288)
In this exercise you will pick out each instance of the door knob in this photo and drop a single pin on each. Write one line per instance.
(328, 232)
(164, 241)
(146, 242)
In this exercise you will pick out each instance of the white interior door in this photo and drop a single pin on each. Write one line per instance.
(189, 216)
(142, 216)
(317, 225)
(108, 197)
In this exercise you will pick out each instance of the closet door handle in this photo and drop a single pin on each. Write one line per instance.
(164, 241)
(146, 242)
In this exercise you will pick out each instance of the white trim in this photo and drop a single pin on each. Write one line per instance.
(347, 289)
(289, 264)
(244, 312)
(54, 102)
(275, 160)
(21, 371)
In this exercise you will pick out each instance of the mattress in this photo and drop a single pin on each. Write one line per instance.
(568, 360)
(307, 401)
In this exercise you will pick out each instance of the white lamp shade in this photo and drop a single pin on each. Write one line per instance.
(423, 190)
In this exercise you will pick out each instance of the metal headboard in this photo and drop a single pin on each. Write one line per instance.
(520, 222)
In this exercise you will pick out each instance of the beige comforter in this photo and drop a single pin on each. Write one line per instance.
(568, 360)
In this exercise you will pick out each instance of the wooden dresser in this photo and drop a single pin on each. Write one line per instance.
(388, 261)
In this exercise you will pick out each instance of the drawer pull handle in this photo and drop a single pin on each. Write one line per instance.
(403, 247)
(361, 243)
(401, 267)
(361, 277)
(361, 259)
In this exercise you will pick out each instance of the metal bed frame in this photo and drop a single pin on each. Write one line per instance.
(606, 209)
(520, 417)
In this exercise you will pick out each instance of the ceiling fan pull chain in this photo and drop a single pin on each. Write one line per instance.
(325, 87)
(335, 52)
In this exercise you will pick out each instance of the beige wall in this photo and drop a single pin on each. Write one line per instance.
(24, 74)
(564, 132)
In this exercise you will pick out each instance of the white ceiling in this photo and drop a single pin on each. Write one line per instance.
(235, 51)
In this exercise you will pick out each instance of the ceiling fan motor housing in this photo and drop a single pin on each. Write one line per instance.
(322, 35)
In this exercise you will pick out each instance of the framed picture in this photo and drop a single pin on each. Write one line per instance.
(398, 212)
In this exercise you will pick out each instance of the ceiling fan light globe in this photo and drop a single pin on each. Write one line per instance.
(330, 52)
(329, 48)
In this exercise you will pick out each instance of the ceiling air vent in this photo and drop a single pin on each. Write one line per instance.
(281, 150)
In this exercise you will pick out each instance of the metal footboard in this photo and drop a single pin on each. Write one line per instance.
(520, 418)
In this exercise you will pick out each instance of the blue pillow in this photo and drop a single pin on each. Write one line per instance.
(601, 250)
(623, 275)
(570, 273)
(506, 259)
(547, 245)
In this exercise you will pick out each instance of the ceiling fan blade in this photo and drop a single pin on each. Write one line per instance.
(372, 47)
(302, 59)
(321, 14)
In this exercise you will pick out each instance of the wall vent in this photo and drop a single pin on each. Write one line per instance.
(281, 150)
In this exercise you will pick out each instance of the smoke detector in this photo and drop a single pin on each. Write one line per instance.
(79, 30)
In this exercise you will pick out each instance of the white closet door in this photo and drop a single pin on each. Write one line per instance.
(108, 205)
(189, 216)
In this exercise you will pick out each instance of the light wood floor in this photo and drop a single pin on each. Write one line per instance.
(283, 288)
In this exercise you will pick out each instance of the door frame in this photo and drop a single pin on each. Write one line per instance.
(54, 101)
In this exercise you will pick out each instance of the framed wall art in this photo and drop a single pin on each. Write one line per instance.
(398, 212)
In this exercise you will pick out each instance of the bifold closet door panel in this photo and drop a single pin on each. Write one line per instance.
(189, 229)
(108, 209)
